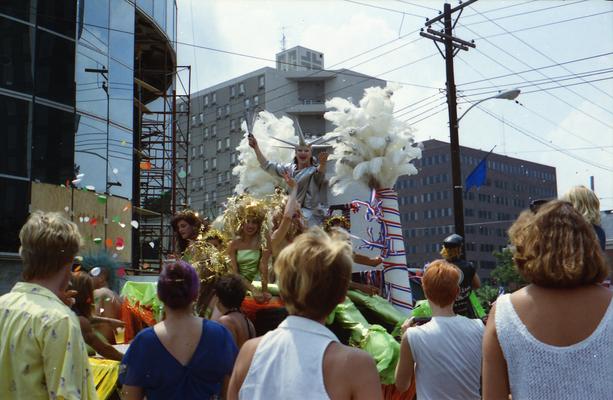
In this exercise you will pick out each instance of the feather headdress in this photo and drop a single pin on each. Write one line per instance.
(371, 147)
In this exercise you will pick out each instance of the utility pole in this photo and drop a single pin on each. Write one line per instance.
(452, 46)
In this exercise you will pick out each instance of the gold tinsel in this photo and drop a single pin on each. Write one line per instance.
(209, 262)
(340, 220)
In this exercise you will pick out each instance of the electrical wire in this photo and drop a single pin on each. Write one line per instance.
(547, 57)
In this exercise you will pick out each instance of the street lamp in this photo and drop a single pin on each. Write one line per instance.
(506, 95)
(456, 172)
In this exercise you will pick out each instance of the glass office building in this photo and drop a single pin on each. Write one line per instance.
(69, 103)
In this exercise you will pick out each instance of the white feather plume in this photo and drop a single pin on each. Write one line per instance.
(252, 178)
(371, 146)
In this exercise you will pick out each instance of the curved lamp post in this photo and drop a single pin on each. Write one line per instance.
(456, 173)
(506, 95)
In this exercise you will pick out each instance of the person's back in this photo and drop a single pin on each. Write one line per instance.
(230, 292)
(447, 354)
(302, 358)
(42, 354)
(182, 357)
(555, 340)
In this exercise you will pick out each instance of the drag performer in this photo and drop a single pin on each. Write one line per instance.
(187, 225)
(308, 172)
(249, 251)
(469, 280)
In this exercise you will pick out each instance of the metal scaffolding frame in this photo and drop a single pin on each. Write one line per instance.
(160, 158)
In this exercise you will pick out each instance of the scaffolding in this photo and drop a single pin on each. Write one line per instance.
(160, 158)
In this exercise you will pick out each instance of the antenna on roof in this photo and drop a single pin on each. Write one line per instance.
(283, 38)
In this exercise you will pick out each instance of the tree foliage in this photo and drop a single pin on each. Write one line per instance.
(504, 276)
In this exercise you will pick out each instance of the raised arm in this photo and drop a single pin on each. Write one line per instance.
(253, 143)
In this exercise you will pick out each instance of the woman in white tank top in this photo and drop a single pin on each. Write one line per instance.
(302, 359)
(554, 338)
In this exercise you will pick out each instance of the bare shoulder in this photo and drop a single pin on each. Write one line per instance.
(349, 359)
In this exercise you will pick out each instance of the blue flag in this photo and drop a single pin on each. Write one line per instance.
(477, 176)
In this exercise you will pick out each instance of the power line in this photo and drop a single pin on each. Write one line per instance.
(534, 112)
(544, 89)
(539, 68)
(385, 9)
(566, 149)
(417, 5)
(546, 56)
(557, 7)
(535, 137)
(549, 24)
(550, 94)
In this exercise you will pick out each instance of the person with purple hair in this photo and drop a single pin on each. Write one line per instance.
(182, 357)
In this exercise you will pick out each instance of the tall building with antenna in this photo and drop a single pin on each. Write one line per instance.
(298, 87)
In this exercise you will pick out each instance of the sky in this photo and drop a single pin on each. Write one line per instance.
(559, 53)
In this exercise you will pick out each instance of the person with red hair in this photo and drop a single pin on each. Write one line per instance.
(448, 346)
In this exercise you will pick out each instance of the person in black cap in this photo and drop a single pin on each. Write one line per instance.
(469, 280)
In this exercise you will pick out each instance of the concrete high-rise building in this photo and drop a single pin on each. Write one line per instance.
(218, 112)
(426, 202)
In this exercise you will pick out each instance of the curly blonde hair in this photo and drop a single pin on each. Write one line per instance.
(586, 202)
(557, 247)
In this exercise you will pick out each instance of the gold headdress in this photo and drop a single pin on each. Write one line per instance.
(336, 220)
(244, 207)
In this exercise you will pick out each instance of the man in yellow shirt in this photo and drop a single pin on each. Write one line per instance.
(42, 353)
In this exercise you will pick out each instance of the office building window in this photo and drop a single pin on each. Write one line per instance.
(261, 81)
(206, 197)
(206, 165)
(213, 195)
(189, 200)
(227, 110)
(219, 177)
(189, 169)
(205, 132)
(241, 88)
(214, 163)
(206, 101)
(232, 124)
(213, 98)
(201, 115)
(227, 176)
(219, 111)
(256, 100)
(232, 91)
(201, 149)
(247, 102)
(227, 143)
(193, 151)
(202, 181)
(218, 144)
(214, 131)
(193, 120)
(233, 158)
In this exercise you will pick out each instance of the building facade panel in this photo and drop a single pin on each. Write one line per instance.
(426, 202)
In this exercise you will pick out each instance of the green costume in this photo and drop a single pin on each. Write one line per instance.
(248, 263)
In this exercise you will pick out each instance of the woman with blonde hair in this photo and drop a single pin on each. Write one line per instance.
(302, 358)
(587, 204)
(542, 342)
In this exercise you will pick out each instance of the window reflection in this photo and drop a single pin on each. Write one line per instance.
(55, 68)
(14, 116)
(90, 151)
(90, 95)
(58, 16)
(52, 145)
(121, 94)
(16, 8)
(120, 162)
(14, 212)
(15, 61)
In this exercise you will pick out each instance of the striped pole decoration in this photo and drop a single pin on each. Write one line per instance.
(395, 268)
